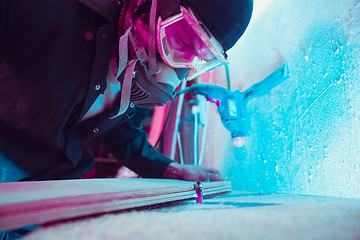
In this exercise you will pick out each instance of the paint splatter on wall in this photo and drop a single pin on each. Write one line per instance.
(303, 135)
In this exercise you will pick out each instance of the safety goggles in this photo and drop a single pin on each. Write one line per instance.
(184, 42)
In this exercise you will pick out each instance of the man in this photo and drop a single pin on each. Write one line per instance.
(71, 70)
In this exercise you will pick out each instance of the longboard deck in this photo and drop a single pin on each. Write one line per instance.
(29, 203)
(238, 215)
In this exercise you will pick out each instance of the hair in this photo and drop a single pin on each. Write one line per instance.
(142, 11)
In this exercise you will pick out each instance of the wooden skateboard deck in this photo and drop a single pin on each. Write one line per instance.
(29, 203)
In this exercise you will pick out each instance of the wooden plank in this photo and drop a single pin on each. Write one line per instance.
(238, 215)
(28, 203)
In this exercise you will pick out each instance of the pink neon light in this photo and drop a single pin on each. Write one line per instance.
(157, 123)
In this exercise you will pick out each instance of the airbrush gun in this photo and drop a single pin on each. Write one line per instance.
(229, 106)
(231, 103)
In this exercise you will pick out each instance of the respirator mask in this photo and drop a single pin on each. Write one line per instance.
(184, 45)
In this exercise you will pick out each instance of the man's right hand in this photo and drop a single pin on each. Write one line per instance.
(192, 172)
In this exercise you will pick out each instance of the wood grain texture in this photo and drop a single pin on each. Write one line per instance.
(28, 203)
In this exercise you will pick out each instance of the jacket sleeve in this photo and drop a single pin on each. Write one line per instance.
(128, 143)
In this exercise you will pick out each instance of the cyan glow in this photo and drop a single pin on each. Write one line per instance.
(303, 135)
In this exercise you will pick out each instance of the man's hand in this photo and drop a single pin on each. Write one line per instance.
(191, 172)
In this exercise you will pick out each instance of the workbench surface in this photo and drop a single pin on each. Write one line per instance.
(238, 215)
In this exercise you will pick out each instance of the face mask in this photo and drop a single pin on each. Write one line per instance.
(139, 85)
(147, 90)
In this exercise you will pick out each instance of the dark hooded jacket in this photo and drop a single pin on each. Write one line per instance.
(54, 59)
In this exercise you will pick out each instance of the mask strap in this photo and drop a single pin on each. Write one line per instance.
(152, 38)
(138, 47)
(125, 86)
(123, 52)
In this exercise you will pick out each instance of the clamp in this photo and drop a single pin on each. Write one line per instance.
(198, 190)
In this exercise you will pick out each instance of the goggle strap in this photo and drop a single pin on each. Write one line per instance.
(152, 38)
(169, 8)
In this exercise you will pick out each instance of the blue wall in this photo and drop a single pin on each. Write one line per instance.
(303, 134)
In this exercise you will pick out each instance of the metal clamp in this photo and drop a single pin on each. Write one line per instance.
(198, 190)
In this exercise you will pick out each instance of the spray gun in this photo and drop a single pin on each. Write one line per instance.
(230, 103)
(229, 106)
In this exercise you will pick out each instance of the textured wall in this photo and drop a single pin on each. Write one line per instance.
(303, 135)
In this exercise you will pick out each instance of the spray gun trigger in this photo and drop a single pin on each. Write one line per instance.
(214, 100)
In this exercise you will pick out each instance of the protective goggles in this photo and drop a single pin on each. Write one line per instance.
(184, 42)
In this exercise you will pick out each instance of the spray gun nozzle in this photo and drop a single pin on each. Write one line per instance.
(214, 100)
